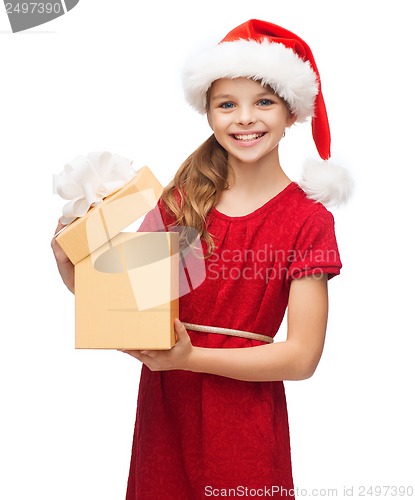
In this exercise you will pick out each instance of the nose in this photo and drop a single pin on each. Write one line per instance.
(246, 115)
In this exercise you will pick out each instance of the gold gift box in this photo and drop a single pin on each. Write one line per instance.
(126, 284)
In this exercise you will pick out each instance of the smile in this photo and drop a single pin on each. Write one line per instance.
(248, 137)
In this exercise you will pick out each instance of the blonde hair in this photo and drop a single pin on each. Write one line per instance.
(196, 188)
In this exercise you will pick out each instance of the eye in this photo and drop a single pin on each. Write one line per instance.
(227, 105)
(265, 102)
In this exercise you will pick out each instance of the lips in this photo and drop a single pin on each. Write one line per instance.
(248, 137)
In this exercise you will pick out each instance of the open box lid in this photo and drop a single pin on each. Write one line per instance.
(116, 212)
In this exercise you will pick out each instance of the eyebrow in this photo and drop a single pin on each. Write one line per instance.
(229, 96)
(221, 96)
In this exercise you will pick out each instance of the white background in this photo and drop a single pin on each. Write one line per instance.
(106, 76)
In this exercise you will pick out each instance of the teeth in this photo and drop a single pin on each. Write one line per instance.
(247, 137)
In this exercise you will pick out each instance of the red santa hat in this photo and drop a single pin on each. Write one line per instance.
(277, 57)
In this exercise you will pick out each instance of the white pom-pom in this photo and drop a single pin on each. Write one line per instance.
(326, 182)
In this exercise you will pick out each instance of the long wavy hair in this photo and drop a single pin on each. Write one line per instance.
(196, 188)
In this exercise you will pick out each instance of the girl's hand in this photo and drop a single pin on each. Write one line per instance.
(65, 266)
(177, 358)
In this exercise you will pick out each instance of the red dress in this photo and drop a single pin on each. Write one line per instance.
(199, 435)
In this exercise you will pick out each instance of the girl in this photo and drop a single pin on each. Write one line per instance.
(211, 414)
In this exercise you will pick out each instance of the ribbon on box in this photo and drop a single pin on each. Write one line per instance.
(87, 180)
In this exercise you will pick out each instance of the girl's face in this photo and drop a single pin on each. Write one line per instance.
(248, 119)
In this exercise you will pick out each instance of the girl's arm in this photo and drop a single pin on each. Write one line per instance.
(65, 266)
(295, 358)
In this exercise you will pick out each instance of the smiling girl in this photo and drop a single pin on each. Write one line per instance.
(211, 414)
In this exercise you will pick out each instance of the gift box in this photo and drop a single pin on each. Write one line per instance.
(126, 293)
(126, 284)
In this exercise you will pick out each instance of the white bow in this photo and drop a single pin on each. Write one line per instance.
(87, 180)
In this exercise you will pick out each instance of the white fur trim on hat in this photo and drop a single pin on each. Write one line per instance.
(275, 65)
(327, 183)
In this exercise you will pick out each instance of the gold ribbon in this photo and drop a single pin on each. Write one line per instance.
(229, 331)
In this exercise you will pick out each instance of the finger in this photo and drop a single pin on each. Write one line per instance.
(54, 243)
(59, 227)
(180, 329)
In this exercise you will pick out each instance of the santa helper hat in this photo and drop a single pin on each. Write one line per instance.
(263, 51)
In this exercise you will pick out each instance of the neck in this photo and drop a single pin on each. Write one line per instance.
(251, 185)
(265, 176)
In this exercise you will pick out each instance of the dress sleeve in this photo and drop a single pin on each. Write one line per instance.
(192, 271)
(315, 251)
(156, 220)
